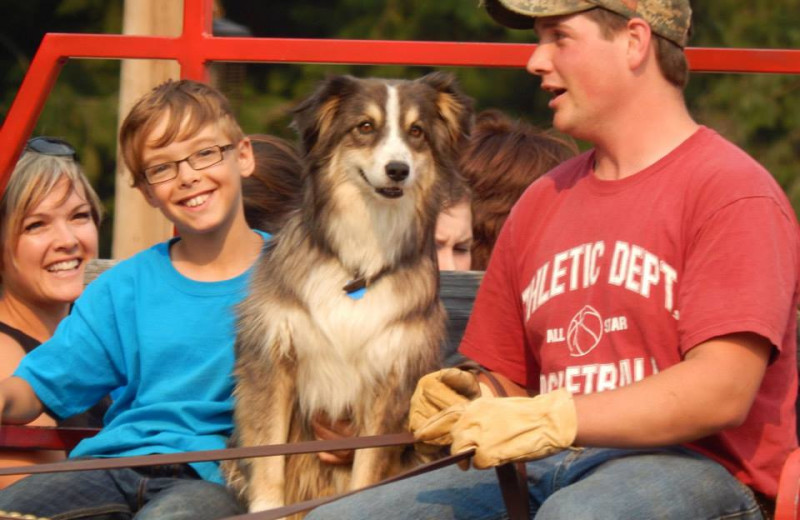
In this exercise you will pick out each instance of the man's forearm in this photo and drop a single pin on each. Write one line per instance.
(711, 390)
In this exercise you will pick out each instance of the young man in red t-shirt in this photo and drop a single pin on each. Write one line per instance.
(645, 290)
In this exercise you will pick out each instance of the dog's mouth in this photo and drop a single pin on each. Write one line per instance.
(390, 192)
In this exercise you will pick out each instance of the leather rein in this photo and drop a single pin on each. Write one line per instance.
(511, 477)
(376, 441)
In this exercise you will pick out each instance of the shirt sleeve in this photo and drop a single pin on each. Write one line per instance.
(81, 363)
(495, 334)
(740, 274)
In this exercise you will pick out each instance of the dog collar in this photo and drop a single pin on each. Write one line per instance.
(356, 288)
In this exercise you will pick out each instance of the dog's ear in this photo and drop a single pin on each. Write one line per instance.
(454, 107)
(314, 115)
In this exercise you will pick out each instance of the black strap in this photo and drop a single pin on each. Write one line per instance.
(27, 343)
(299, 507)
(513, 476)
(349, 443)
(397, 439)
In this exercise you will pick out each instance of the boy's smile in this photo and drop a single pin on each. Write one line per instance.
(198, 201)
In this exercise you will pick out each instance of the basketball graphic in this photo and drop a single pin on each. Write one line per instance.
(584, 332)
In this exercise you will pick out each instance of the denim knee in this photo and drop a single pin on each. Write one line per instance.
(66, 495)
(666, 484)
(188, 499)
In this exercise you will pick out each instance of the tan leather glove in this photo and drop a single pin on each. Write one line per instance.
(513, 429)
(437, 392)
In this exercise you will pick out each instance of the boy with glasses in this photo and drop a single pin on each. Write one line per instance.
(645, 290)
(157, 329)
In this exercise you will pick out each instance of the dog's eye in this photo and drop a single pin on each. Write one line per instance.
(365, 127)
(415, 131)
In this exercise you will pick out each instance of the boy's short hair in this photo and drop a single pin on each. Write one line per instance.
(34, 177)
(670, 57)
(189, 106)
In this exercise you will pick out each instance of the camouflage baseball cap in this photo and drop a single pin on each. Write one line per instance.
(667, 18)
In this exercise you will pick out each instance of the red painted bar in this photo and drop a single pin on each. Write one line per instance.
(26, 108)
(368, 52)
(773, 61)
(197, 23)
(196, 47)
(197, 17)
(42, 437)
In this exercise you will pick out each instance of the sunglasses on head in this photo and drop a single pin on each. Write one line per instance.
(51, 146)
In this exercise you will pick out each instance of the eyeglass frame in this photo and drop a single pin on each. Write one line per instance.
(67, 149)
(222, 149)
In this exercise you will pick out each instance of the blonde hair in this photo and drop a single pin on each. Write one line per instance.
(188, 105)
(34, 177)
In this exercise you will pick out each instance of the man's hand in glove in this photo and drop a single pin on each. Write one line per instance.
(506, 429)
(439, 391)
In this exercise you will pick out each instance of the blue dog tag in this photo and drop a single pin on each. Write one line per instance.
(358, 293)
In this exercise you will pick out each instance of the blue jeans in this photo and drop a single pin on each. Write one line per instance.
(172, 492)
(589, 483)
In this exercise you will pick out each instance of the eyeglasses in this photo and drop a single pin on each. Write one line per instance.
(199, 160)
(51, 146)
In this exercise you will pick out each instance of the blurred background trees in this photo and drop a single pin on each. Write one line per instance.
(761, 113)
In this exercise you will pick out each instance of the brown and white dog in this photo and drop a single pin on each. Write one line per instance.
(343, 316)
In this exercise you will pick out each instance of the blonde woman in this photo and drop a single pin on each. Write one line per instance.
(49, 216)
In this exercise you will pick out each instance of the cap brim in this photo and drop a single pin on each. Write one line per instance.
(518, 17)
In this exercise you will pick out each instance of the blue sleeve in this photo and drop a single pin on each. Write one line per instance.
(83, 360)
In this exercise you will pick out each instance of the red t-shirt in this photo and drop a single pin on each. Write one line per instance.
(597, 284)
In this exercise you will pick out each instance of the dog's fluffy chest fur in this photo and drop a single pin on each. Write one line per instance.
(342, 344)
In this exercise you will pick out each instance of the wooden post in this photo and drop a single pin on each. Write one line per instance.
(136, 224)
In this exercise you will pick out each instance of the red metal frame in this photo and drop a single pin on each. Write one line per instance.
(42, 437)
(196, 47)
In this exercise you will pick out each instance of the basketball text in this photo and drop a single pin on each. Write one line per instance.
(598, 377)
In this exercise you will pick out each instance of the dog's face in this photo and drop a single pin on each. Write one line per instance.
(386, 136)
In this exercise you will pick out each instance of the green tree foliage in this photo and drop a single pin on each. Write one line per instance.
(83, 104)
(279, 86)
(761, 113)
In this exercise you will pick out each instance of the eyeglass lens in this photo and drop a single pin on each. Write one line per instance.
(198, 160)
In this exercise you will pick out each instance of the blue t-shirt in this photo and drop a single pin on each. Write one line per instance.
(162, 343)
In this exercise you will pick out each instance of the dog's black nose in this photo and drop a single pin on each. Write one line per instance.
(397, 170)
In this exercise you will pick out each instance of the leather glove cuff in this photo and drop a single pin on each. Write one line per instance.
(516, 428)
